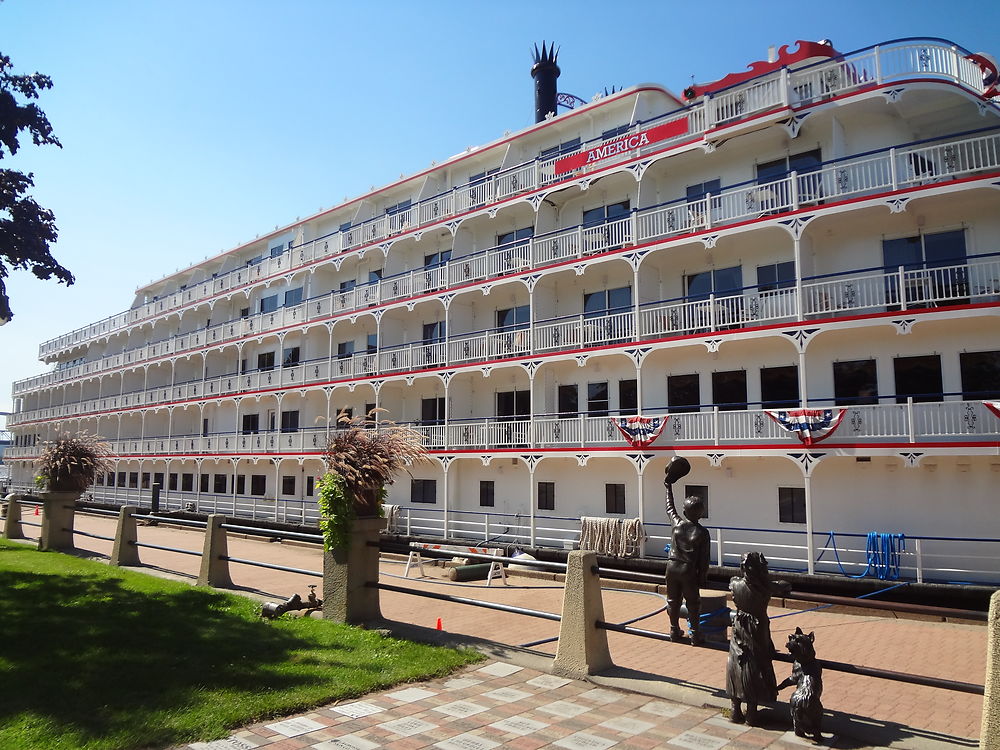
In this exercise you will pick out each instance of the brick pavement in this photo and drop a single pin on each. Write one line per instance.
(950, 650)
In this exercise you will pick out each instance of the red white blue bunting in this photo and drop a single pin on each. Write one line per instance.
(810, 425)
(640, 432)
(993, 406)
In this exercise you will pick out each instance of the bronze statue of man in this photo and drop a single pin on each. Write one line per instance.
(687, 564)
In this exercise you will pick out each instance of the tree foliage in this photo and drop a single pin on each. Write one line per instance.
(26, 229)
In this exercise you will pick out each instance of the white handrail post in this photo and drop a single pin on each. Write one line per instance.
(911, 429)
(901, 285)
(878, 64)
(715, 423)
(720, 546)
(794, 186)
(893, 169)
(920, 560)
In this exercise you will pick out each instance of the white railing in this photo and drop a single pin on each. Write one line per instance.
(781, 88)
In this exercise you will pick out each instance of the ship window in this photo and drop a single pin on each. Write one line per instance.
(290, 421)
(524, 233)
(244, 312)
(568, 398)
(683, 393)
(980, 374)
(310, 485)
(371, 343)
(345, 418)
(791, 505)
(158, 479)
(398, 208)
(265, 361)
(423, 491)
(926, 251)
(699, 491)
(276, 251)
(219, 483)
(807, 161)
(345, 349)
(288, 484)
(592, 217)
(779, 387)
(486, 490)
(513, 318)
(614, 498)
(203, 481)
(241, 484)
(433, 260)
(172, 481)
(374, 275)
(433, 332)
(597, 399)
(269, 304)
(432, 410)
(918, 377)
(614, 132)
(729, 390)
(346, 286)
(855, 382)
(251, 424)
(290, 356)
(258, 484)
(628, 397)
(563, 148)
(776, 276)
(121, 478)
(546, 496)
(133, 480)
(720, 282)
(187, 482)
(293, 297)
(699, 191)
(511, 404)
(100, 479)
(607, 302)
(144, 482)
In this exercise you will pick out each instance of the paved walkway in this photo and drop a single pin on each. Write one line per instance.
(894, 713)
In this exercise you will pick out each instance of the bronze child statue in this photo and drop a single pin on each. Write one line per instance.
(749, 672)
(807, 676)
(687, 565)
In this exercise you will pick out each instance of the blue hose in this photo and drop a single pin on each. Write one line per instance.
(882, 552)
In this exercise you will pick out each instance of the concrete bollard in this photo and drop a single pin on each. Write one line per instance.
(214, 570)
(346, 598)
(12, 521)
(59, 509)
(990, 730)
(583, 647)
(124, 551)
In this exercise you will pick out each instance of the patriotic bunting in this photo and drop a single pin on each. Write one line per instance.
(810, 425)
(640, 432)
(993, 406)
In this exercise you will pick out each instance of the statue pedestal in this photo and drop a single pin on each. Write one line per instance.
(59, 510)
(347, 569)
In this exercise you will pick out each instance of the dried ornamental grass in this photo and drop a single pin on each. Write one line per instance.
(70, 463)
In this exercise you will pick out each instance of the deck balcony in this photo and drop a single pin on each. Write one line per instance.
(779, 91)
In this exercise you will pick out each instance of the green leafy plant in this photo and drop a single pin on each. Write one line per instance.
(362, 457)
(70, 463)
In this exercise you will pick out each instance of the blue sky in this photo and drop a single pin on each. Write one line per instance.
(190, 127)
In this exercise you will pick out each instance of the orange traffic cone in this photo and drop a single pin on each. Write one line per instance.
(438, 626)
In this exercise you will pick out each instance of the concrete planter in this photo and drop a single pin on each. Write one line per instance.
(59, 509)
(347, 569)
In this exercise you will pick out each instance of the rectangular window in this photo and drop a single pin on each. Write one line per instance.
(158, 479)
(614, 498)
(485, 494)
(779, 387)
(729, 390)
(683, 393)
(614, 132)
(288, 484)
(265, 361)
(121, 479)
(607, 302)
(290, 356)
(258, 484)
(346, 286)
(776, 276)
(512, 404)
(721, 282)
(269, 304)
(980, 375)
(371, 343)
(919, 377)
(563, 148)
(569, 402)
(111, 479)
(433, 332)
(791, 505)
(290, 421)
(310, 485)
(700, 190)
(374, 275)
(100, 479)
(546, 496)
(597, 399)
(133, 480)
(187, 482)
(855, 382)
(699, 491)
(345, 349)
(293, 297)
(432, 410)
(435, 260)
(513, 318)
(145, 480)
(241, 484)
(203, 482)
(628, 397)
(518, 235)
(923, 253)
(398, 207)
(423, 491)
(172, 481)
(593, 217)
(276, 251)
(251, 424)
(219, 483)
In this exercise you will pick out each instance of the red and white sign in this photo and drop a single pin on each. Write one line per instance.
(620, 145)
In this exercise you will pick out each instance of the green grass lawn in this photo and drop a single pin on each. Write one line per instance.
(99, 658)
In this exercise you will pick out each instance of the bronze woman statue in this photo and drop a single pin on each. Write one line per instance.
(749, 672)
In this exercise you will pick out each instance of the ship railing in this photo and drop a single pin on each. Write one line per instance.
(890, 169)
(976, 281)
(875, 65)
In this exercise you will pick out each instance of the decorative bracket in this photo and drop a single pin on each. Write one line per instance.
(709, 240)
(639, 168)
(716, 459)
(532, 460)
(904, 326)
(796, 224)
(639, 460)
(712, 345)
(897, 205)
(582, 459)
(911, 460)
(801, 337)
(807, 461)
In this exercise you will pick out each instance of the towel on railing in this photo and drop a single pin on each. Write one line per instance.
(391, 517)
(620, 537)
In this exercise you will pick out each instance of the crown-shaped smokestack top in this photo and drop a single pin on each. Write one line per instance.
(545, 71)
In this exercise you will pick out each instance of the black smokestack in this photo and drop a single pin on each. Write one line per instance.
(545, 72)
